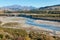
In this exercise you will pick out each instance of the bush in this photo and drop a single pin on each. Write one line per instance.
(1, 36)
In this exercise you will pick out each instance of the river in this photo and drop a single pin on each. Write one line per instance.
(31, 22)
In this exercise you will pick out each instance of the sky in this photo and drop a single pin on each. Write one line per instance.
(35, 3)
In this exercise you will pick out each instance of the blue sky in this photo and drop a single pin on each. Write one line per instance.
(35, 3)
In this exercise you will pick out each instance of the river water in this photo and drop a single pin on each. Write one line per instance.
(31, 22)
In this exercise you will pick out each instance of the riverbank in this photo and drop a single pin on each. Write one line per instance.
(48, 22)
(23, 20)
(25, 26)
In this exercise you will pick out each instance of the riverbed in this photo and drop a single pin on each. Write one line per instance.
(51, 25)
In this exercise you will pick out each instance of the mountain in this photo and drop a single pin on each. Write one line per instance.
(17, 8)
(28, 8)
(53, 7)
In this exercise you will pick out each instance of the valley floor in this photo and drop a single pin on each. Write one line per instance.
(23, 25)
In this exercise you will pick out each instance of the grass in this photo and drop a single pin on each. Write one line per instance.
(33, 35)
(11, 24)
(47, 16)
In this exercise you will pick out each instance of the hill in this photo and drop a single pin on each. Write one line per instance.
(53, 7)
(17, 8)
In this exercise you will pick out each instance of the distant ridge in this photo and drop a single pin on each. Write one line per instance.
(17, 7)
(28, 8)
(53, 7)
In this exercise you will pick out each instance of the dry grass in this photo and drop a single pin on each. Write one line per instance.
(11, 24)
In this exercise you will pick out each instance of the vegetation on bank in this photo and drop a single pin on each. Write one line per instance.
(35, 11)
(22, 34)
(39, 13)
(11, 24)
(46, 15)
